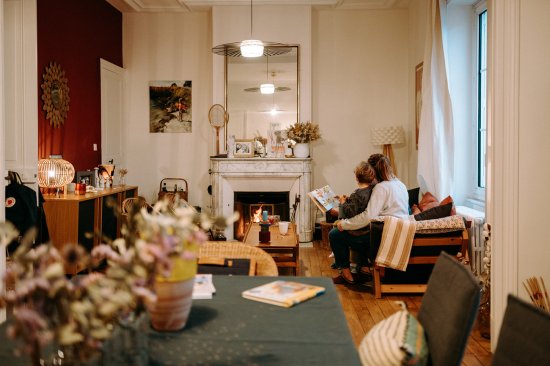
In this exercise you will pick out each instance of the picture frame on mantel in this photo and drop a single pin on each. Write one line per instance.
(243, 148)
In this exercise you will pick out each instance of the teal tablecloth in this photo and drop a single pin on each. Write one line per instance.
(231, 330)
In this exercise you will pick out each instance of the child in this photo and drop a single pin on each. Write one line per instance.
(357, 202)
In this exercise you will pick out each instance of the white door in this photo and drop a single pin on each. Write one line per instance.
(112, 113)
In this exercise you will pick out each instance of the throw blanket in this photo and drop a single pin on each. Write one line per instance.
(396, 244)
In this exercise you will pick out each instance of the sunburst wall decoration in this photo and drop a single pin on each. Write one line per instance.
(55, 94)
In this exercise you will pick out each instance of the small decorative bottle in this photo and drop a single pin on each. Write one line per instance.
(230, 145)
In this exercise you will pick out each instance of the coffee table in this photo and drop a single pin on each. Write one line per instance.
(283, 248)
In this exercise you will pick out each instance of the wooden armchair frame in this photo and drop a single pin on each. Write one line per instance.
(445, 242)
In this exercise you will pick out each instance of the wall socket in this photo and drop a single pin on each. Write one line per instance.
(95, 147)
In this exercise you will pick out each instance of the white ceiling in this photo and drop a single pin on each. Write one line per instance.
(201, 5)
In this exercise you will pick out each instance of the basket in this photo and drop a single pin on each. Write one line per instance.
(174, 187)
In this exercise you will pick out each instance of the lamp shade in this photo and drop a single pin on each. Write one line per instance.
(387, 135)
(252, 48)
(54, 172)
(267, 88)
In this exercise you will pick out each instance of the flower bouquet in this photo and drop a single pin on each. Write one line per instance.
(76, 317)
(303, 132)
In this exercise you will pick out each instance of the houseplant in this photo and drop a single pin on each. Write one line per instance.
(303, 133)
(58, 319)
(77, 317)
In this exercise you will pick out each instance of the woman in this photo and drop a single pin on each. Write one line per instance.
(389, 198)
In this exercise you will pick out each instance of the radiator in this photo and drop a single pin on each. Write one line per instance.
(475, 232)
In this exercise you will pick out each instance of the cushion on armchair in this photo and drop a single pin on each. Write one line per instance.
(436, 212)
(396, 340)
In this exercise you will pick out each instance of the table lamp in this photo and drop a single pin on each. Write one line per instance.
(54, 173)
(387, 136)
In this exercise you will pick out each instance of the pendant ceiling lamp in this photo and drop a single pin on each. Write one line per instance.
(251, 47)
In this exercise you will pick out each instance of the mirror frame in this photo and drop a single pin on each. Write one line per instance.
(297, 86)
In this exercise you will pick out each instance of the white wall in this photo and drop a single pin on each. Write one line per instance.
(168, 47)
(360, 80)
(534, 149)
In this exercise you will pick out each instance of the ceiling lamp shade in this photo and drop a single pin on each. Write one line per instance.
(267, 88)
(54, 173)
(387, 135)
(252, 48)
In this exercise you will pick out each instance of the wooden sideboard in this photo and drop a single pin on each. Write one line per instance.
(70, 217)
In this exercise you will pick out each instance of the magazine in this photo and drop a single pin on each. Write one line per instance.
(283, 293)
(204, 287)
(324, 198)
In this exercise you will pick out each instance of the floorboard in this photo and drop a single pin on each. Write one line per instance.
(362, 310)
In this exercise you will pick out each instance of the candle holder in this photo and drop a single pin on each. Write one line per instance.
(265, 235)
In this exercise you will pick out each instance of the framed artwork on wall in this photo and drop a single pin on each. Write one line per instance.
(243, 149)
(418, 97)
(170, 106)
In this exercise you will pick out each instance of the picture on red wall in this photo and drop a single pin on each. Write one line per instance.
(170, 106)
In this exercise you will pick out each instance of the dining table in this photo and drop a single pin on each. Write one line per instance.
(231, 330)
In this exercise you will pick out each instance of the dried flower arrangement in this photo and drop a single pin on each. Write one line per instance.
(75, 316)
(122, 172)
(303, 132)
(485, 276)
(537, 292)
(78, 315)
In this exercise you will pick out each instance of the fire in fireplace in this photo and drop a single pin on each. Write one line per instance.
(252, 204)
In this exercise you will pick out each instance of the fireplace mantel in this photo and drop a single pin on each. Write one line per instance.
(263, 175)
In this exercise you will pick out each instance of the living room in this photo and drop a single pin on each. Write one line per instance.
(375, 52)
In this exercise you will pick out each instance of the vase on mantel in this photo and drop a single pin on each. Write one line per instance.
(301, 150)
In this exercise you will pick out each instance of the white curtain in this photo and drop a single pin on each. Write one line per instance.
(436, 136)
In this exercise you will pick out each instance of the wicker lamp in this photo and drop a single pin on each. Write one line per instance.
(54, 173)
(387, 136)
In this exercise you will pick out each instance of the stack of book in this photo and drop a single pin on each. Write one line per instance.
(204, 287)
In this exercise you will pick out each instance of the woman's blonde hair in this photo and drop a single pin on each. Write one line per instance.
(364, 173)
(382, 167)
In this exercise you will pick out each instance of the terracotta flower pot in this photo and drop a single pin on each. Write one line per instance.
(174, 297)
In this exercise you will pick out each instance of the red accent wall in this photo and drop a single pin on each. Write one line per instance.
(76, 34)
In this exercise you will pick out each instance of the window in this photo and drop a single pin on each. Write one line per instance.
(481, 99)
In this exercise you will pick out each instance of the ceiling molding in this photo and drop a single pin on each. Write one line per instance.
(156, 6)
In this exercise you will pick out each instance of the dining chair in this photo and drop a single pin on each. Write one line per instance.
(524, 337)
(134, 203)
(211, 250)
(448, 310)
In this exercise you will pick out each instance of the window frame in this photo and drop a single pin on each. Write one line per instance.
(477, 197)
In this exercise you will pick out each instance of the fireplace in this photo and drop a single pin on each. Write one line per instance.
(263, 175)
(248, 203)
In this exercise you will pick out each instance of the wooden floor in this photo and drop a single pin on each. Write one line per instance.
(362, 310)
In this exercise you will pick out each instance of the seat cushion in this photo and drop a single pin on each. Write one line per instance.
(396, 340)
(436, 212)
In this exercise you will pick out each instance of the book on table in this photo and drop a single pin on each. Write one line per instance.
(283, 293)
(324, 198)
(204, 287)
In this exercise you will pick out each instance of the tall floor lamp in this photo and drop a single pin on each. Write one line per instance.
(387, 136)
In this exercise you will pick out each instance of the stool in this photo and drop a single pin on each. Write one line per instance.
(325, 228)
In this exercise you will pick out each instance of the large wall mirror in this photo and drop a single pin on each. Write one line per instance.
(251, 112)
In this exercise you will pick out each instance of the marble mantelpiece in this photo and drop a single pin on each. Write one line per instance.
(291, 175)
